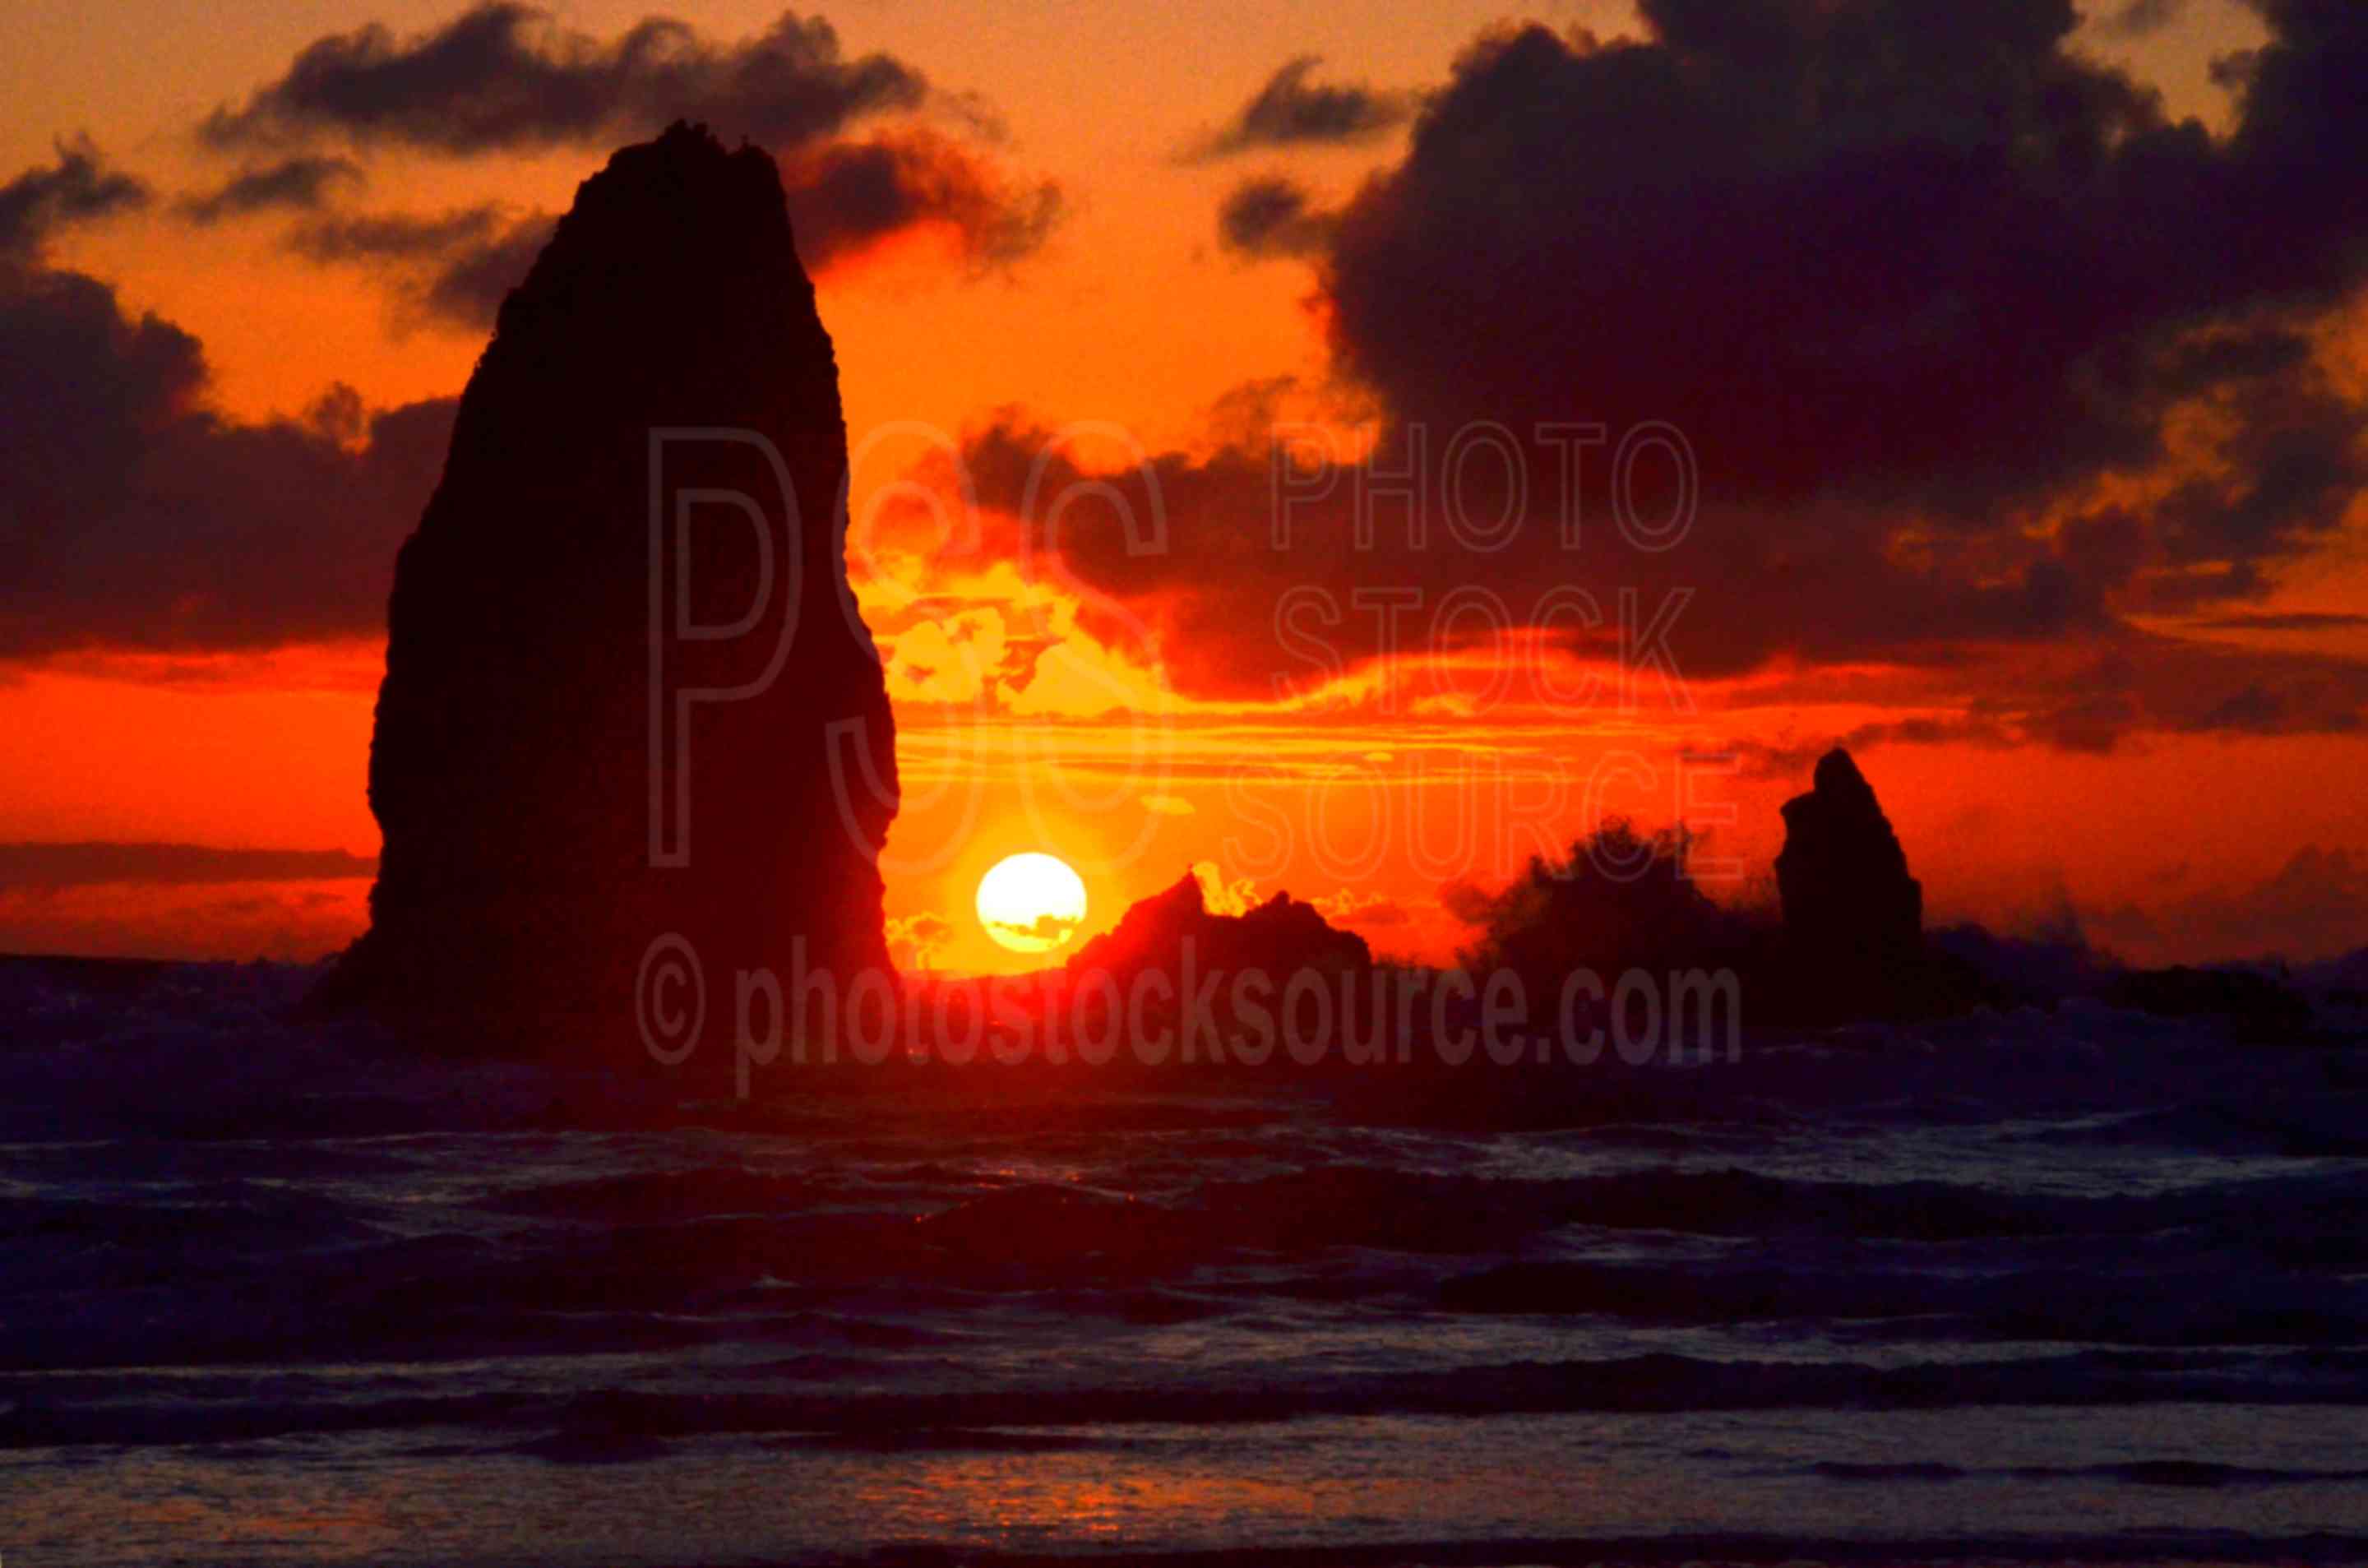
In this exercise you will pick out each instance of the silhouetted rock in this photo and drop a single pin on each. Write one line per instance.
(1850, 904)
(1852, 944)
(1281, 937)
(513, 765)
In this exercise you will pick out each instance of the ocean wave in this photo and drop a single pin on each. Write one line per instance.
(70, 1413)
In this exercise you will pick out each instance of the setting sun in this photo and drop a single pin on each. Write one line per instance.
(1032, 903)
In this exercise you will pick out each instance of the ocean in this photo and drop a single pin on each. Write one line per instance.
(2079, 1286)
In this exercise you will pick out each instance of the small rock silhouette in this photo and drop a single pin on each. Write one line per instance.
(1282, 937)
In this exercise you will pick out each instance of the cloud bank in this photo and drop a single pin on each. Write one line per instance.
(508, 77)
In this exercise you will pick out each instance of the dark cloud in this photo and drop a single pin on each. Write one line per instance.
(846, 196)
(1929, 255)
(79, 186)
(395, 236)
(1272, 216)
(94, 864)
(132, 517)
(302, 184)
(450, 268)
(2097, 699)
(2282, 478)
(454, 269)
(2298, 620)
(506, 76)
(1232, 611)
(1797, 758)
(1051, 929)
(1289, 111)
(2298, 708)
(1919, 288)
(2013, 632)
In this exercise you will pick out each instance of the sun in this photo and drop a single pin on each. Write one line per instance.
(1032, 903)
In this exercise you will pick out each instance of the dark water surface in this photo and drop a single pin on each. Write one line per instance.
(2020, 1288)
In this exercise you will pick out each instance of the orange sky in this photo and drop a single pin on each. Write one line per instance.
(1131, 315)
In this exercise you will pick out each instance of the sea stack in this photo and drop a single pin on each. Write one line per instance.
(630, 711)
(1853, 914)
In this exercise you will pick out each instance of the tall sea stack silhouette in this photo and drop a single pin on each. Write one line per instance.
(1853, 917)
(631, 720)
